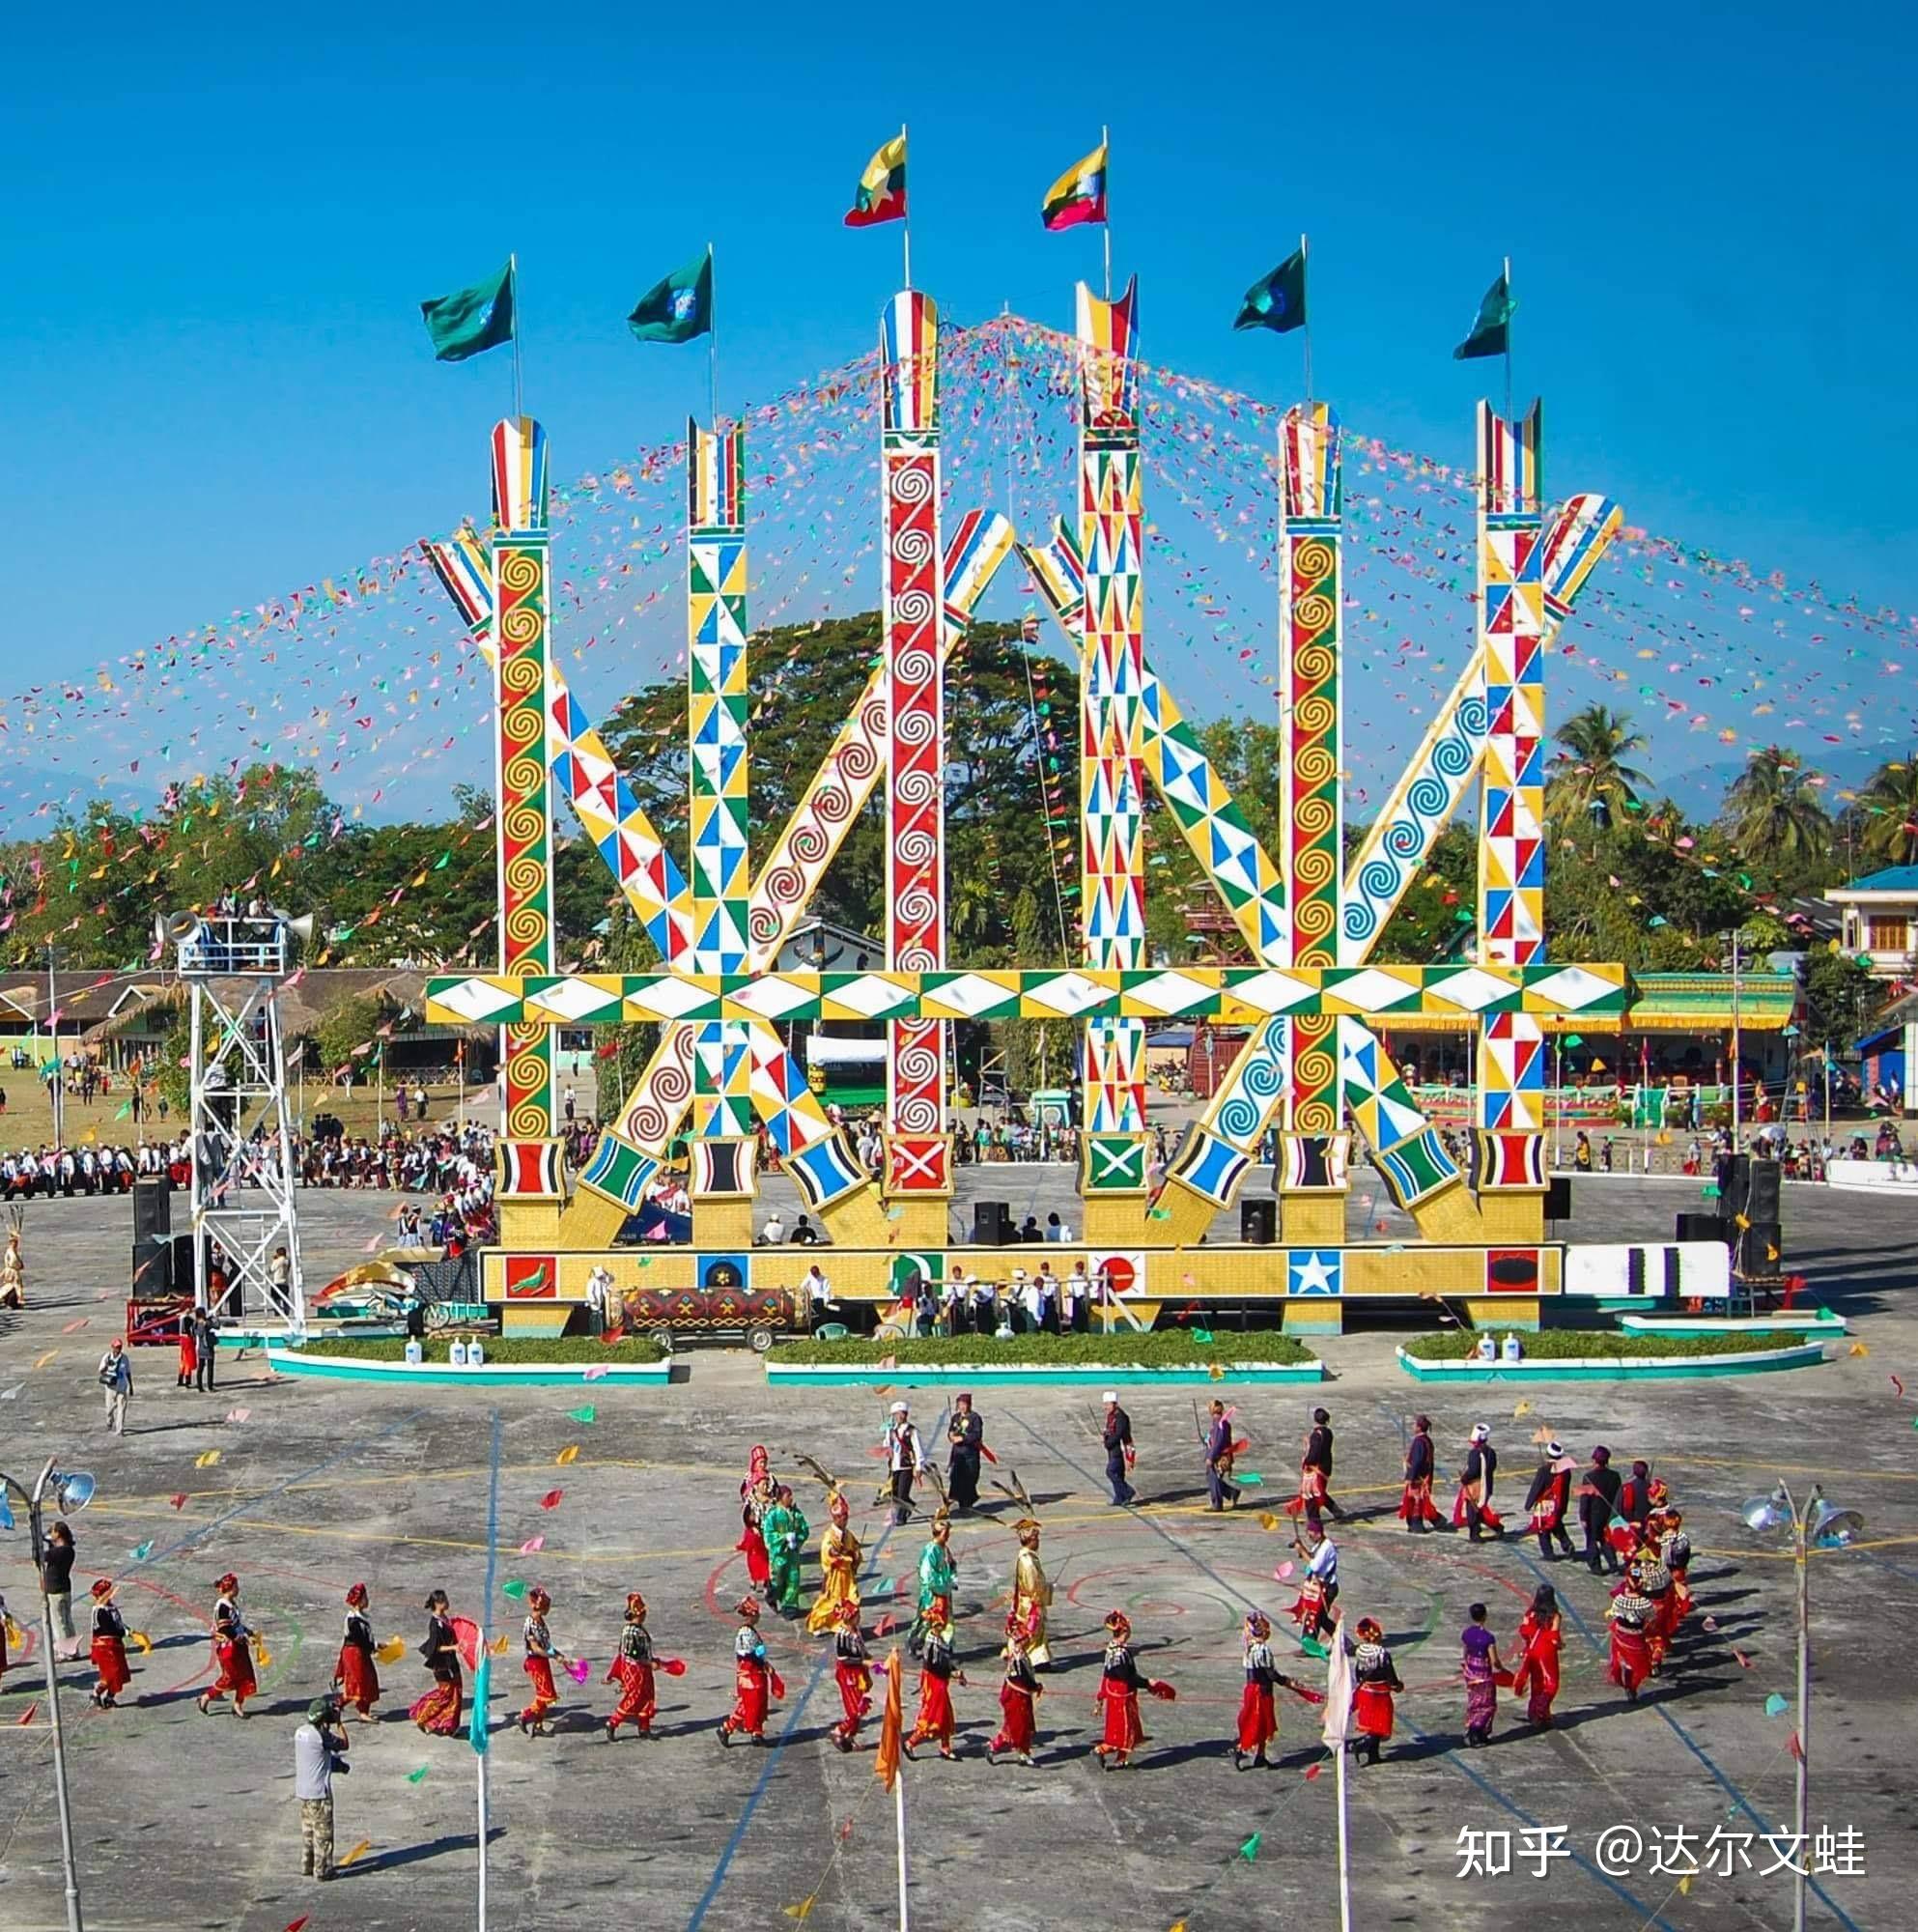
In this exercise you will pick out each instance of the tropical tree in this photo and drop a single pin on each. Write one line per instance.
(1889, 808)
(1588, 779)
(1774, 815)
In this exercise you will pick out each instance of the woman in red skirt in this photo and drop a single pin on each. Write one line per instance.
(109, 1647)
(1258, 1720)
(1018, 1697)
(1540, 1634)
(1119, 1686)
(938, 1669)
(1417, 1510)
(437, 1712)
(354, 1677)
(1374, 1683)
(189, 1353)
(540, 1656)
(755, 1682)
(1629, 1612)
(756, 1497)
(852, 1671)
(233, 1647)
(632, 1671)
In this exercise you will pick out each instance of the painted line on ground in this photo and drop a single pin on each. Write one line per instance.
(1648, 1915)
(1690, 1743)
(765, 1778)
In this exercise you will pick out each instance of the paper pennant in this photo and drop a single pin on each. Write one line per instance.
(532, 1546)
(578, 1670)
(512, 1587)
(26, 1717)
(1520, 1408)
(1267, 1520)
(392, 1650)
(569, 1454)
(588, 1414)
(1284, 1571)
(1860, 1348)
(46, 1359)
(207, 1460)
(299, 1924)
(178, 1499)
(237, 1414)
(359, 1851)
(141, 1552)
(1250, 1849)
(550, 1500)
(1775, 1706)
(1313, 1770)
(803, 1909)
(596, 1373)
(418, 1776)
(1684, 1884)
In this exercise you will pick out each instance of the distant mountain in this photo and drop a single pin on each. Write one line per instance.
(1701, 790)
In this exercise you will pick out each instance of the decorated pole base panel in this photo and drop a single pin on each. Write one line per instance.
(1034, 1375)
(1518, 1277)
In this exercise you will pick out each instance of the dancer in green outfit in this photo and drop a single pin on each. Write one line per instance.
(937, 1575)
(785, 1529)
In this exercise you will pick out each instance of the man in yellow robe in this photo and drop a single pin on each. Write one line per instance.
(1031, 1593)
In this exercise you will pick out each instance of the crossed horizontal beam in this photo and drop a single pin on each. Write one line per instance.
(1234, 993)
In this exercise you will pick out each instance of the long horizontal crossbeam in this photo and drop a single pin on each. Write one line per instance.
(1232, 993)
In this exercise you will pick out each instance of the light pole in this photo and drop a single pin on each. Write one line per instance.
(70, 1492)
(1817, 1524)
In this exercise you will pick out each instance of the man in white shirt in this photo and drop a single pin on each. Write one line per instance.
(774, 1230)
(1078, 1299)
(818, 1291)
(599, 1287)
(904, 1454)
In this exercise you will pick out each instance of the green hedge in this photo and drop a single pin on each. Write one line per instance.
(1558, 1345)
(1168, 1348)
(505, 1350)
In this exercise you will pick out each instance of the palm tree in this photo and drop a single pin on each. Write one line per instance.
(1889, 806)
(1772, 813)
(1588, 779)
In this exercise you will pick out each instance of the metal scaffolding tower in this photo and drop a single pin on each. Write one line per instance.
(245, 1223)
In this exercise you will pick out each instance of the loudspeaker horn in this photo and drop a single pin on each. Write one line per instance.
(304, 928)
(179, 926)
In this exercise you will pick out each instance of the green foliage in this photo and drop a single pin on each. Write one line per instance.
(504, 1351)
(1841, 999)
(1888, 813)
(171, 1082)
(344, 1025)
(1775, 820)
(1158, 1349)
(1573, 1344)
(1588, 781)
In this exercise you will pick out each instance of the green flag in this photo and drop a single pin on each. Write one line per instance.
(471, 320)
(1491, 331)
(476, 1733)
(1278, 301)
(677, 308)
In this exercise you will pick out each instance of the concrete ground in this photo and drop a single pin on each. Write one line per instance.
(184, 1821)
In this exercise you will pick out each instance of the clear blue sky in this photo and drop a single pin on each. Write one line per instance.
(218, 225)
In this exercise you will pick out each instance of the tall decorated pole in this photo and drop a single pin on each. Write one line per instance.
(529, 1154)
(716, 722)
(1512, 841)
(919, 1151)
(1312, 1167)
(1112, 776)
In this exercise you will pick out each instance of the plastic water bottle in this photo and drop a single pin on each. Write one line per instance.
(456, 1356)
(476, 1356)
(415, 1354)
(1488, 1349)
(1514, 1349)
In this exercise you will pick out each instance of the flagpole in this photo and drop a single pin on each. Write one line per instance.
(1507, 338)
(1344, 1840)
(1106, 226)
(1305, 265)
(518, 392)
(899, 1827)
(713, 336)
(905, 219)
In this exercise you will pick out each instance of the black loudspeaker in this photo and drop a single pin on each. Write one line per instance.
(1700, 1227)
(151, 1271)
(1258, 1222)
(1762, 1192)
(153, 1209)
(1762, 1248)
(1558, 1197)
(1734, 1177)
(992, 1224)
(182, 1263)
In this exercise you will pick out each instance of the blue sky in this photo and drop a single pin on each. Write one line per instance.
(218, 225)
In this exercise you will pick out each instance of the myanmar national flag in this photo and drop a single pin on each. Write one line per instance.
(882, 189)
(1079, 194)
